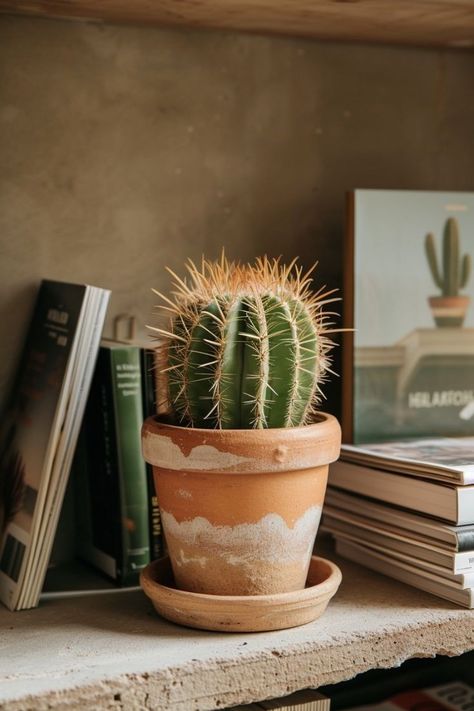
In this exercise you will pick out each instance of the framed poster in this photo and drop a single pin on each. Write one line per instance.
(408, 366)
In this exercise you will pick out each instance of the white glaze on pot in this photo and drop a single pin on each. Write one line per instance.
(255, 553)
(162, 449)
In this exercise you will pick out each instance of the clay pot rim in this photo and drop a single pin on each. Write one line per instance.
(461, 299)
(177, 448)
(158, 422)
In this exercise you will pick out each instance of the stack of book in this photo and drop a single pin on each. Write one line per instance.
(451, 696)
(454, 696)
(76, 407)
(406, 509)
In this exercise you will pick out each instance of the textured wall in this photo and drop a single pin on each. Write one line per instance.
(124, 149)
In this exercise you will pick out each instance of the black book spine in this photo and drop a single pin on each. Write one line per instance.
(465, 539)
(97, 484)
(149, 409)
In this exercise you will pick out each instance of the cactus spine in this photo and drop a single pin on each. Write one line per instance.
(247, 345)
(455, 274)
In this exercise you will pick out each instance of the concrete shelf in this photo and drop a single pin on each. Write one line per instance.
(111, 650)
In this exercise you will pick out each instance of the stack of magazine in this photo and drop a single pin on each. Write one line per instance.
(401, 500)
(39, 430)
(406, 509)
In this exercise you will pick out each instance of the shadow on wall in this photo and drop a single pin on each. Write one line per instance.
(19, 303)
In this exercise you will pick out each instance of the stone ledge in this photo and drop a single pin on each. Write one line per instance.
(111, 651)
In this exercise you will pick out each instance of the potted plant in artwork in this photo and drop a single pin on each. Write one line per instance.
(241, 459)
(449, 309)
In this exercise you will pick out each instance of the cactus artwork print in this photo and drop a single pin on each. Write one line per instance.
(449, 309)
(408, 368)
(455, 273)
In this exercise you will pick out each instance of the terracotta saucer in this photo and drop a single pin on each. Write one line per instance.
(229, 613)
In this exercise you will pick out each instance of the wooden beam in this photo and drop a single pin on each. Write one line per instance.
(413, 22)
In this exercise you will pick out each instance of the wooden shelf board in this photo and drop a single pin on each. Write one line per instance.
(87, 652)
(412, 22)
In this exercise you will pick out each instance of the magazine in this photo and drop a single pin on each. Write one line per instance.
(439, 499)
(40, 428)
(381, 563)
(454, 538)
(421, 552)
(448, 459)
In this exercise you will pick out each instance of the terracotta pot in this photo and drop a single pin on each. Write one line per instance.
(241, 508)
(449, 311)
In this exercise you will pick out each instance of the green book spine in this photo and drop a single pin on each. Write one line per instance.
(149, 408)
(128, 412)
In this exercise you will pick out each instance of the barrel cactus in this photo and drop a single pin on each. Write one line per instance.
(246, 345)
(455, 272)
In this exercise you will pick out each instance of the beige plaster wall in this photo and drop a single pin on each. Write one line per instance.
(124, 149)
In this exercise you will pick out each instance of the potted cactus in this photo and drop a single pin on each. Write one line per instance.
(241, 458)
(449, 310)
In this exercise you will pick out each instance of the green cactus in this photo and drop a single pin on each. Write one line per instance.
(455, 273)
(247, 345)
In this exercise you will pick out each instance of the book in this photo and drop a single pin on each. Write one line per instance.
(408, 295)
(455, 538)
(440, 500)
(39, 431)
(111, 485)
(306, 700)
(453, 696)
(125, 331)
(422, 565)
(400, 546)
(449, 459)
(403, 572)
(148, 370)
